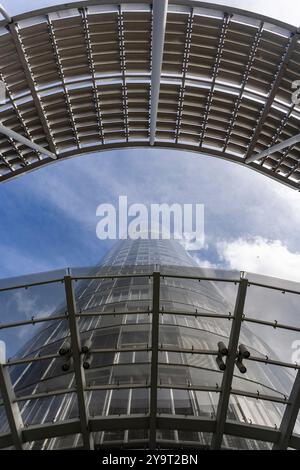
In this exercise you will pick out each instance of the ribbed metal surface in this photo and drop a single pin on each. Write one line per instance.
(78, 79)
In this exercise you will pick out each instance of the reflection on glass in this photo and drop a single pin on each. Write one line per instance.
(115, 315)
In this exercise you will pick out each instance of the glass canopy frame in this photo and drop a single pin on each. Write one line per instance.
(86, 425)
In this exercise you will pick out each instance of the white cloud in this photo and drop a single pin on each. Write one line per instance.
(203, 263)
(283, 10)
(262, 256)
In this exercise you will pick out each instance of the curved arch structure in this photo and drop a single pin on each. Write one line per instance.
(96, 75)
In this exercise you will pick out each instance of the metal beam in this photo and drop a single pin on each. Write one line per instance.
(275, 148)
(185, 64)
(246, 75)
(13, 414)
(31, 85)
(5, 14)
(121, 40)
(20, 138)
(87, 34)
(164, 421)
(50, 430)
(289, 416)
(160, 8)
(154, 359)
(291, 45)
(61, 73)
(230, 363)
(215, 72)
(78, 369)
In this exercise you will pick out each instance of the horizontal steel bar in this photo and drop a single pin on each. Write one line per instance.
(26, 360)
(112, 276)
(88, 313)
(33, 321)
(274, 324)
(32, 284)
(23, 140)
(164, 421)
(268, 286)
(200, 278)
(36, 396)
(129, 386)
(274, 362)
(5, 14)
(260, 396)
(275, 148)
(196, 314)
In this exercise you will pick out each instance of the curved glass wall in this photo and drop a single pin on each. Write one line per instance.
(128, 351)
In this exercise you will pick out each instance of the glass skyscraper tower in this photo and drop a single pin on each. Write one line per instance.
(115, 326)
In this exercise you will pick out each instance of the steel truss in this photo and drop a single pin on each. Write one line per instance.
(91, 79)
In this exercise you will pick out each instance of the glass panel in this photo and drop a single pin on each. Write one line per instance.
(240, 443)
(275, 344)
(66, 442)
(4, 426)
(273, 305)
(49, 409)
(119, 374)
(139, 401)
(119, 402)
(194, 338)
(206, 404)
(186, 375)
(297, 425)
(255, 411)
(189, 295)
(26, 304)
(187, 437)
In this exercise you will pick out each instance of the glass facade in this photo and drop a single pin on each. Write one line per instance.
(142, 385)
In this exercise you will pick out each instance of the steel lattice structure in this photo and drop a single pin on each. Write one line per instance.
(100, 75)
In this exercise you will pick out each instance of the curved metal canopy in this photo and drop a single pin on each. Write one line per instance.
(97, 75)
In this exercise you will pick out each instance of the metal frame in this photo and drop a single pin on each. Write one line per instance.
(275, 148)
(11, 407)
(160, 8)
(154, 359)
(290, 416)
(70, 96)
(281, 438)
(230, 363)
(78, 369)
(5, 14)
(281, 69)
(31, 83)
(20, 138)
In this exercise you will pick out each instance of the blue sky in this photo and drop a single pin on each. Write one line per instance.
(48, 217)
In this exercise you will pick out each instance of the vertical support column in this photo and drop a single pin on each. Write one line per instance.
(160, 8)
(230, 362)
(5, 14)
(78, 369)
(290, 416)
(13, 414)
(154, 358)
